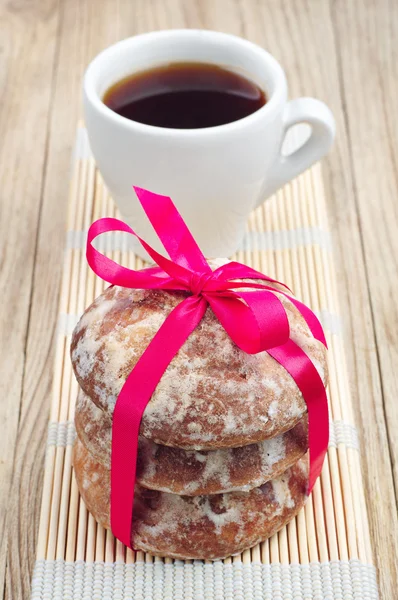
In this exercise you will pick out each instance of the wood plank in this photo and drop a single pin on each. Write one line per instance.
(369, 85)
(313, 68)
(28, 46)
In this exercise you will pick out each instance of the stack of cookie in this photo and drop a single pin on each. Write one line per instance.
(222, 460)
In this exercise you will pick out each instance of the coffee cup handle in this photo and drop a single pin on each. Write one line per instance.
(316, 114)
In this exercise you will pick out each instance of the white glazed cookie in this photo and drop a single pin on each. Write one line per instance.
(212, 395)
(197, 527)
(193, 472)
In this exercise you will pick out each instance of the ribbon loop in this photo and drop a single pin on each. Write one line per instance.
(256, 320)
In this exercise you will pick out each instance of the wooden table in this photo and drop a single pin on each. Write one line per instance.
(342, 52)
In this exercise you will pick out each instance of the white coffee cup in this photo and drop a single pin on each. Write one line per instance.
(215, 175)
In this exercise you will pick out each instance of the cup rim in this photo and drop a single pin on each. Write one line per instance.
(278, 94)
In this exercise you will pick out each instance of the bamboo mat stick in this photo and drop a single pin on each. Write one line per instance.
(120, 552)
(100, 544)
(294, 557)
(63, 307)
(65, 386)
(283, 546)
(63, 504)
(128, 259)
(95, 534)
(264, 548)
(107, 207)
(74, 499)
(90, 536)
(255, 554)
(301, 280)
(319, 297)
(72, 517)
(303, 545)
(70, 401)
(81, 531)
(365, 551)
(284, 273)
(78, 519)
(310, 297)
(323, 502)
(311, 531)
(45, 511)
(274, 548)
(352, 502)
(90, 541)
(61, 396)
(109, 547)
(73, 212)
(296, 220)
(326, 268)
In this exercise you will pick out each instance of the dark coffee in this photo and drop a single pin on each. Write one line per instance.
(185, 96)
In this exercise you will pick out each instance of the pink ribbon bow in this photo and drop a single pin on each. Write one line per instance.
(255, 320)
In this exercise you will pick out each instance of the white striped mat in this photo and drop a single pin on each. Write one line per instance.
(337, 580)
(64, 433)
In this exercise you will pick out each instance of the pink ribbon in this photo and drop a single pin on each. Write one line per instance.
(255, 320)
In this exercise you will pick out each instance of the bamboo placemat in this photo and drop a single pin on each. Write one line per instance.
(325, 552)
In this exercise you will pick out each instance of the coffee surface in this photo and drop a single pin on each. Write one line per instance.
(185, 96)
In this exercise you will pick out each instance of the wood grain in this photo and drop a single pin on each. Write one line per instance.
(368, 71)
(28, 50)
(372, 125)
(349, 59)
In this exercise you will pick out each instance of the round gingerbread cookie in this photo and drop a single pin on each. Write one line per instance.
(212, 394)
(197, 527)
(194, 472)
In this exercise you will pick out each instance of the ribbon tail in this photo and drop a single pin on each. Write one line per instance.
(304, 373)
(235, 270)
(311, 319)
(131, 404)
